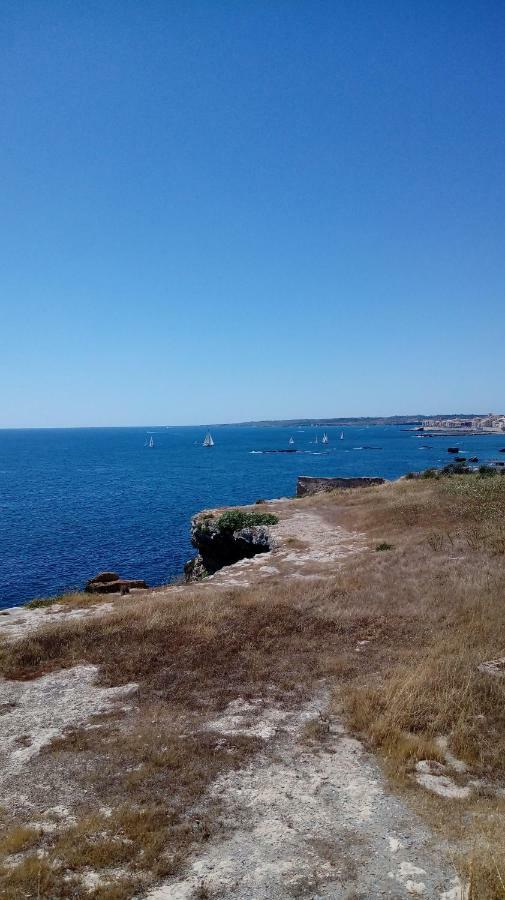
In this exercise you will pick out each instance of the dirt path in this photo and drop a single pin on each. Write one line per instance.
(311, 821)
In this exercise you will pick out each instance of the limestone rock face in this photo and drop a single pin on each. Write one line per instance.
(219, 547)
(194, 569)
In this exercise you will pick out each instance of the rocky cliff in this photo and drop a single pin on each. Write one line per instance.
(224, 538)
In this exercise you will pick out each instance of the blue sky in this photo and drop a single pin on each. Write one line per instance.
(217, 211)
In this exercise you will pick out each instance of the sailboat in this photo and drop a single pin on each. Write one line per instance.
(291, 440)
(316, 440)
(341, 435)
(325, 438)
(208, 440)
(151, 442)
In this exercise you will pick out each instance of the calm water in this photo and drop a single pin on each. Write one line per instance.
(77, 501)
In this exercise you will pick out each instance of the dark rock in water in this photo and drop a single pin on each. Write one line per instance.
(283, 450)
(474, 459)
(502, 450)
(110, 583)
(453, 449)
(461, 459)
(218, 547)
(104, 577)
(308, 485)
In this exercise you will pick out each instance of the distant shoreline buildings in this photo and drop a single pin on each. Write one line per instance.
(488, 423)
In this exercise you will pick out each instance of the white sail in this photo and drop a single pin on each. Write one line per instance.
(208, 440)
(291, 440)
(151, 441)
(325, 438)
(341, 435)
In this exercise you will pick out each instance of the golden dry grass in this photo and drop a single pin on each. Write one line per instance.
(432, 608)
(74, 599)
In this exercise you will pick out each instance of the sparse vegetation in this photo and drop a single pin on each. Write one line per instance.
(427, 615)
(76, 598)
(235, 519)
(383, 546)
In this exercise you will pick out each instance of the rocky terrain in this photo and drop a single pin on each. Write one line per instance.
(259, 733)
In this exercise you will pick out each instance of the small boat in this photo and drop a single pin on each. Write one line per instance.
(325, 438)
(208, 440)
(151, 442)
(341, 435)
(291, 440)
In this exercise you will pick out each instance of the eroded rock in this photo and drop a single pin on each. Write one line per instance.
(218, 547)
(111, 583)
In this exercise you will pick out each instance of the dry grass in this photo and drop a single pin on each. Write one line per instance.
(432, 608)
(453, 588)
(18, 839)
(190, 659)
(74, 599)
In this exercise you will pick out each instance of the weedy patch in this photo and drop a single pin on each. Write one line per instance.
(316, 730)
(74, 599)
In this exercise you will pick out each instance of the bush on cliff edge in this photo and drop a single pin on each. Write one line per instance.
(235, 519)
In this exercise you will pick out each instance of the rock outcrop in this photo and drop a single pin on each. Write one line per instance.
(307, 485)
(220, 546)
(111, 583)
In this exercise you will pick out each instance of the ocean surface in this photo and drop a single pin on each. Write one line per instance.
(74, 502)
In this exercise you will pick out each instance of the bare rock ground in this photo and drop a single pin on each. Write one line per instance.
(311, 821)
(17, 621)
(304, 545)
(33, 713)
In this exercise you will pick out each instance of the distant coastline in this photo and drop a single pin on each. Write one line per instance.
(443, 423)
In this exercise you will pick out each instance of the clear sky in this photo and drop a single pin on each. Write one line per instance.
(216, 211)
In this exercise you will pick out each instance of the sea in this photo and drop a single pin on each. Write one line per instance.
(74, 502)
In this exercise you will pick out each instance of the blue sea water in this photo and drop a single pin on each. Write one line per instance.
(74, 502)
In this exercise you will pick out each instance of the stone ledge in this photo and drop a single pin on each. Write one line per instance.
(308, 485)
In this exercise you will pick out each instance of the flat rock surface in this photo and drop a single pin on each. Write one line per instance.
(303, 545)
(311, 820)
(35, 712)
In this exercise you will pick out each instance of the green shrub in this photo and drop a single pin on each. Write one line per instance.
(487, 471)
(235, 519)
(456, 468)
(430, 473)
(383, 546)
